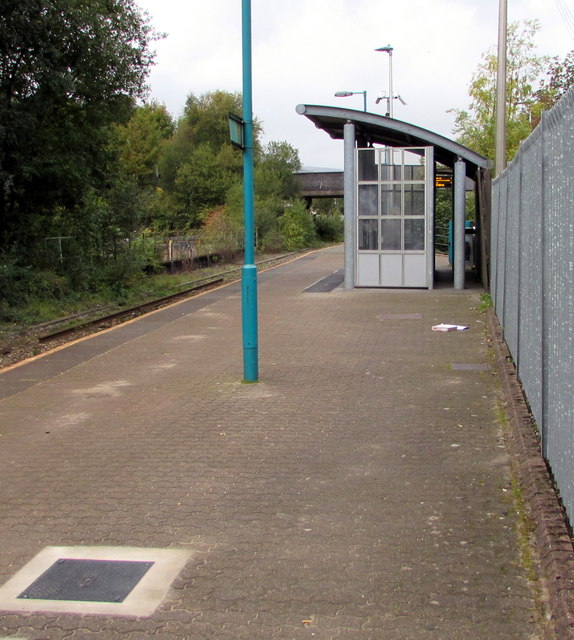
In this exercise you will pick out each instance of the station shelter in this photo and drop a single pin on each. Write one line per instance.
(390, 173)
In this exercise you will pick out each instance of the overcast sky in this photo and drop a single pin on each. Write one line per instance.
(306, 50)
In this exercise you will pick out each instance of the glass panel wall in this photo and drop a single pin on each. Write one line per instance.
(391, 189)
(392, 208)
(368, 200)
(368, 235)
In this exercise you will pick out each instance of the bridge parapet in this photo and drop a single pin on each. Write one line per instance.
(320, 184)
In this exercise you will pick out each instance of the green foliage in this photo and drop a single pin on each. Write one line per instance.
(205, 118)
(200, 185)
(443, 206)
(274, 186)
(273, 241)
(19, 285)
(275, 169)
(297, 226)
(475, 127)
(68, 70)
(83, 171)
(560, 77)
(221, 234)
(198, 165)
(330, 227)
(485, 302)
(327, 206)
(141, 140)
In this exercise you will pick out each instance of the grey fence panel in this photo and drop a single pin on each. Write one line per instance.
(532, 278)
(558, 296)
(494, 222)
(512, 259)
(501, 249)
(530, 313)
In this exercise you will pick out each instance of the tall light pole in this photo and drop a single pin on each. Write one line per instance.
(500, 146)
(346, 94)
(249, 270)
(388, 49)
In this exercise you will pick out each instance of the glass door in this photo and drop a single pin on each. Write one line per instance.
(394, 217)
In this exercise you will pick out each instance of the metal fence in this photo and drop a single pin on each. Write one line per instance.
(532, 281)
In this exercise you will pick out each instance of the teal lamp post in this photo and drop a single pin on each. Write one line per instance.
(249, 270)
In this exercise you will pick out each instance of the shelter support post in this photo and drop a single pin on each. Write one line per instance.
(349, 208)
(459, 222)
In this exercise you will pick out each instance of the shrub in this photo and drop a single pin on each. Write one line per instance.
(273, 241)
(297, 226)
(330, 227)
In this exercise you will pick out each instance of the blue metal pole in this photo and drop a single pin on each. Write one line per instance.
(249, 271)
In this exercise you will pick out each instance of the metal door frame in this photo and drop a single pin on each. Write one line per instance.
(373, 172)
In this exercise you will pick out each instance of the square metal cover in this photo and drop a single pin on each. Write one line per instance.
(87, 580)
(117, 581)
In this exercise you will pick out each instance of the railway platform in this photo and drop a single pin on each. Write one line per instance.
(360, 490)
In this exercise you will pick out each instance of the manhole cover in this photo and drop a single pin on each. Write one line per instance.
(117, 581)
(87, 580)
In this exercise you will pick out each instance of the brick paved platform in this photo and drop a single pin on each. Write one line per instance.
(360, 491)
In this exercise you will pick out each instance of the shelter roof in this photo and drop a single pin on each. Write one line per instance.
(376, 129)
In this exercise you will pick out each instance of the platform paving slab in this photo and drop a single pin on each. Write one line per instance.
(360, 490)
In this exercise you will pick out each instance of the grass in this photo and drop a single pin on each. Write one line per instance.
(141, 289)
(524, 526)
(485, 302)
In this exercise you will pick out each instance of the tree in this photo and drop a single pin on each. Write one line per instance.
(275, 170)
(275, 192)
(475, 127)
(69, 69)
(206, 117)
(140, 142)
(199, 165)
(200, 185)
(560, 79)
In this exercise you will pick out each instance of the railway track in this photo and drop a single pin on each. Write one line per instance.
(34, 340)
(130, 312)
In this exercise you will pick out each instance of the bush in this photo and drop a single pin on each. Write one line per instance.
(330, 227)
(14, 282)
(273, 241)
(297, 226)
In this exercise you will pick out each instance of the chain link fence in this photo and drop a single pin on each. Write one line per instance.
(532, 281)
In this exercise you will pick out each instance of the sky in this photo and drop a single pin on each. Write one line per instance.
(303, 51)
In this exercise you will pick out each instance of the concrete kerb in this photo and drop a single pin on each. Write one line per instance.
(551, 533)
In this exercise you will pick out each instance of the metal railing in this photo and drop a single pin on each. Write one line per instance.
(532, 281)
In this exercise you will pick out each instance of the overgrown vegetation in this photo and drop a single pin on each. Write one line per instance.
(94, 179)
(534, 84)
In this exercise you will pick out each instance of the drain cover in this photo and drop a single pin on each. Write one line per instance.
(87, 580)
(117, 581)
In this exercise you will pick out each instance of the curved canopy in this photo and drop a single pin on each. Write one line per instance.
(376, 129)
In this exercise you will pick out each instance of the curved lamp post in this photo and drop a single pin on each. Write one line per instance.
(346, 94)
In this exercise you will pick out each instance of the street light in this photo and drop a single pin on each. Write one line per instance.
(384, 96)
(346, 94)
(388, 49)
